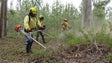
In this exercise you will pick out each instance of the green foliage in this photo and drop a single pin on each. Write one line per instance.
(91, 36)
(104, 38)
(53, 18)
(99, 8)
(53, 15)
(86, 38)
(109, 57)
(71, 39)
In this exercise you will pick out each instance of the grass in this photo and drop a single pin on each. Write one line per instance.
(10, 48)
(72, 39)
(109, 57)
(40, 53)
(13, 48)
(105, 38)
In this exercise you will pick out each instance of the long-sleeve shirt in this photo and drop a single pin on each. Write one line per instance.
(65, 26)
(39, 23)
(32, 23)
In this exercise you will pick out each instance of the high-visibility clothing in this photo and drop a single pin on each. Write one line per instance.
(65, 26)
(32, 23)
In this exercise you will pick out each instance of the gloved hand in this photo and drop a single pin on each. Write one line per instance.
(43, 27)
(28, 30)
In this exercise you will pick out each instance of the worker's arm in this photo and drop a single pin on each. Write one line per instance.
(39, 24)
(68, 25)
(26, 23)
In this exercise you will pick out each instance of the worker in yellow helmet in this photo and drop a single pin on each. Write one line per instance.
(41, 27)
(30, 24)
(65, 25)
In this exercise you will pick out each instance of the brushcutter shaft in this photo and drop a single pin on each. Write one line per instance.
(24, 33)
(19, 28)
(45, 33)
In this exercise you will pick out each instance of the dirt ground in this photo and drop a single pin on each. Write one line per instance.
(82, 53)
(91, 53)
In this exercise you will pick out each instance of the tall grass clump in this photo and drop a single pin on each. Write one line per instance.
(105, 38)
(71, 38)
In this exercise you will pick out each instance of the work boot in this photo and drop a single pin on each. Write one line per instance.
(44, 40)
(27, 48)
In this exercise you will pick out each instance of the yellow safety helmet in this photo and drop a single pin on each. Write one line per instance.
(41, 16)
(65, 19)
(33, 10)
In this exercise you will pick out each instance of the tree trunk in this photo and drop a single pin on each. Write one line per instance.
(1, 19)
(0, 27)
(87, 14)
(5, 17)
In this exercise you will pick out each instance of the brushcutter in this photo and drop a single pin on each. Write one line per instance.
(45, 33)
(19, 28)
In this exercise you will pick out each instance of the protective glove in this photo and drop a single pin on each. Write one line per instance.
(28, 30)
(43, 27)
